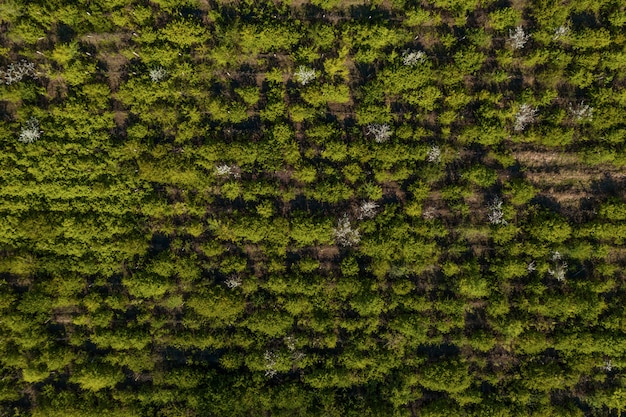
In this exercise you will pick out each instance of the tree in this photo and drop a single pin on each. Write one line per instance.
(305, 75)
(447, 376)
(96, 377)
(30, 132)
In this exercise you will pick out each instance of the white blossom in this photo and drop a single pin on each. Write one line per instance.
(381, 132)
(560, 267)
(429, 213)
(270, 363)
(518, 38)
(560, 32)
(524, 116)
(607, 366)
(290, 341)
(233, 282)
(305, 75)
(411, 58)
(434, 154)
(345, 234)
(224, 170)
(531, 267)
(30, 132)
(16, 71)
(158, 74)
(367, 210)
(581, 111)
(296, 355)
(496, 216)
(559, 271)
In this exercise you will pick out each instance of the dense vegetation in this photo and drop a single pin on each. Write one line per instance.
(312, 208)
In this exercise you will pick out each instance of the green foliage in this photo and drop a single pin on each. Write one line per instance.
(173, 243)
(97, 377)
(502, 19)
(551, 230)
(447, 376)
(250, 95)
(481, 176)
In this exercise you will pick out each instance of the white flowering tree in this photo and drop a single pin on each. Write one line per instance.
(518, 38)
(560, 32)
(434, 154)
(270, 363)
(305, 75)
(559, 267)
(345, 235)
(412, 58)
(381, 132)
(30, 131)
(224, 170)
(233, 282)
(496, 215)
(158, 74)
(581, 112)
(429, 213)
(17, 71)
(367, 210)
(525, 115)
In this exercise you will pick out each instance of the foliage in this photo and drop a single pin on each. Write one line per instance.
(312, 208)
